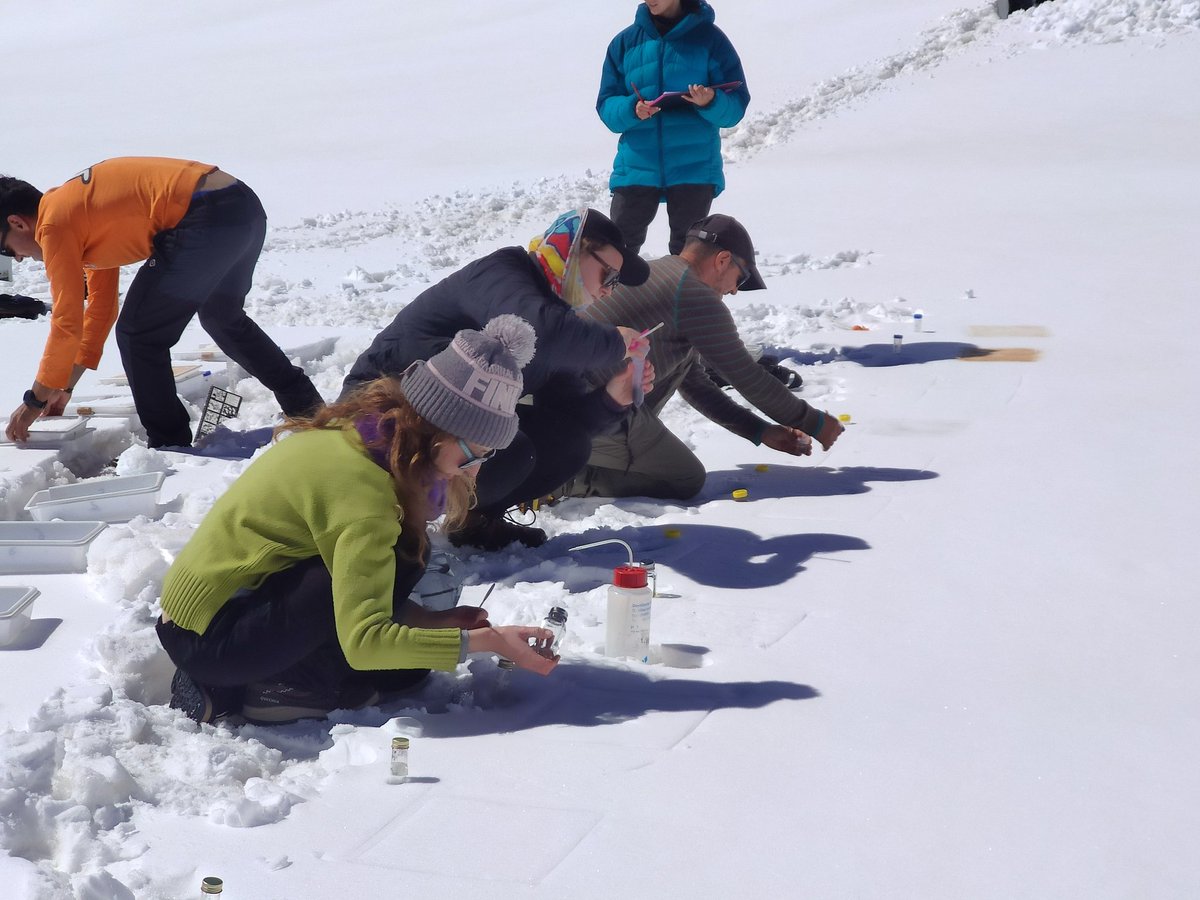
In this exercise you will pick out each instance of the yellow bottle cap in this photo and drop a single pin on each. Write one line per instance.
(844, 417)
(671, 532)
(740, 494)
(761, 467)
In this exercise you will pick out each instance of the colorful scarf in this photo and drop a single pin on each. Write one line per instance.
(555, 253)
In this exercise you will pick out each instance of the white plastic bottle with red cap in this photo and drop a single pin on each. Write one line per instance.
(627, 626)
(627, 629)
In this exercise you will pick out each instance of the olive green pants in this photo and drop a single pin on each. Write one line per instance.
(642, 459)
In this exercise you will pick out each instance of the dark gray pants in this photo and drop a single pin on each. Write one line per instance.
(634, 208)
(642, 459)
(204, 265)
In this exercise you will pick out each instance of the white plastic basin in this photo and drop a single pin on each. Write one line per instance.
(16, 606)
(45, 547)
(99, 500)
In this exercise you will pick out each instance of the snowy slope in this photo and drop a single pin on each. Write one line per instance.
(950, 658)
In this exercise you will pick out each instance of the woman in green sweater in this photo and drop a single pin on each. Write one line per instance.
(290, 600)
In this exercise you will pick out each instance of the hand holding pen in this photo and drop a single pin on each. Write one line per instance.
(638, 348)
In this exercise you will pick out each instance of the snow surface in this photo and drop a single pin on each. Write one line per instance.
(953, 657)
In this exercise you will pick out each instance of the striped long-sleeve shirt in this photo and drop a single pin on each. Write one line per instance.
(698, 325)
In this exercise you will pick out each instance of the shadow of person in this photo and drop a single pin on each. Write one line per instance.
(876, 355)
(802, 481)
(593, 694)
(577, 693)
(714, 555)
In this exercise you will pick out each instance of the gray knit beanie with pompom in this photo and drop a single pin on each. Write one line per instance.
(470, 389)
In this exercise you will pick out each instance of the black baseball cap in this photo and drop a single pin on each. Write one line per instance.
(728, 234)
(599, 227)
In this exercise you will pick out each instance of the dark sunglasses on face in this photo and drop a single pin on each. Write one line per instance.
(612, 277)
(744, 275)
(472, 460)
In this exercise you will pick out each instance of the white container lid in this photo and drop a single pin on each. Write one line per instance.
(15, 600)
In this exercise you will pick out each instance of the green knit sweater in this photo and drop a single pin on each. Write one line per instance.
(315, 493)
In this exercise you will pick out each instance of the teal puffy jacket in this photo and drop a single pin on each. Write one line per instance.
(681, 144)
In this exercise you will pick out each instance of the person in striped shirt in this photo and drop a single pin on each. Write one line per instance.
(685, 293)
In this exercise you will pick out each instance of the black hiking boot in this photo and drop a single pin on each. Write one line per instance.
(495, 533)
(199, 702)
(277, 703)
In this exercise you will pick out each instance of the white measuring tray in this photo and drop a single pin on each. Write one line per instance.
(45, 547)
(116, 499)
(16, 606)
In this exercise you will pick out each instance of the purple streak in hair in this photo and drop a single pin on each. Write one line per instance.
(369, 430)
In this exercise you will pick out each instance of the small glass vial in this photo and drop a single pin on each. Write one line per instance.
(897, 342)
(504, 670)
(399, 760)
(648, 564)
(918, 322)
(556, 621)
(211, 885)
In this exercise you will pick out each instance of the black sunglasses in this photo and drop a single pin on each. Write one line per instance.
(4, 251)
(612, 277)
(745, 276)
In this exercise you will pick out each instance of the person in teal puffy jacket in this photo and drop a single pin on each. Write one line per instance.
(671, 81)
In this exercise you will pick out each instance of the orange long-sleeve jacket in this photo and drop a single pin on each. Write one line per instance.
(103, 218)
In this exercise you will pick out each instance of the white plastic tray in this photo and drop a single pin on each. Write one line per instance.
(51, 431)
(181, 371)
(16, 607)
(45, 547)
(99, 500)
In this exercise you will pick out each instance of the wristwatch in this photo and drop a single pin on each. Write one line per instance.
(30, 399)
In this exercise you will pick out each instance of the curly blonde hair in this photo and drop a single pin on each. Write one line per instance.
(409, 443)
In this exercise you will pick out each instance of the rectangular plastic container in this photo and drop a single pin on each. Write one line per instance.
(45, 547)
(53, 431)
(181, 371)
(16, 608)
(99, 500)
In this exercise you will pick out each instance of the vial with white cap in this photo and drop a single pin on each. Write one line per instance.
(627, 624)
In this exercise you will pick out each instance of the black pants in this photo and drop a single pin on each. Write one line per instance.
(204, 265)
(283, 630)
(549, 448)
(634, 208)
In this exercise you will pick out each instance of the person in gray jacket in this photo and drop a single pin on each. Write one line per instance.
(643, 458)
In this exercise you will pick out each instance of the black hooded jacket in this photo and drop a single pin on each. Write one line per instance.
(507, 281)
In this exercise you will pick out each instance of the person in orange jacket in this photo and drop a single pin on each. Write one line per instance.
(200, 232)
